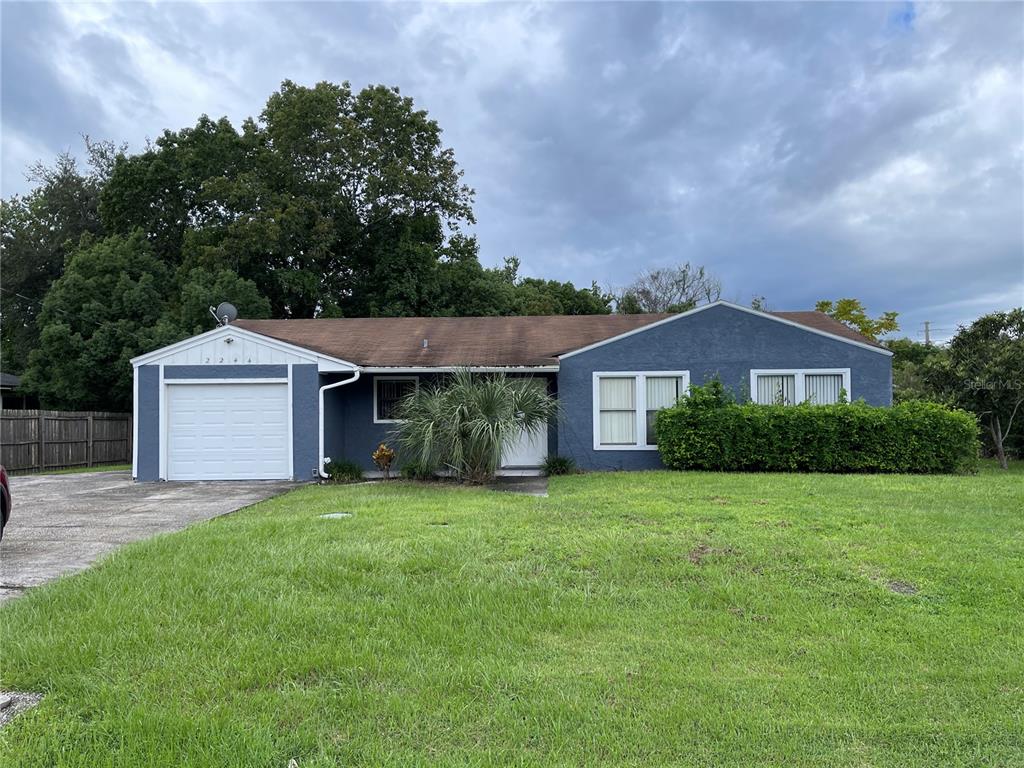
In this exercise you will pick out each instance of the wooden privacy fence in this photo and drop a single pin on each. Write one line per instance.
(37, 441)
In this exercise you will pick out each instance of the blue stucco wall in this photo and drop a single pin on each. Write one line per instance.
(349, 431)
(720, 341)
(305, 421)
(148, 445)
(305, 410)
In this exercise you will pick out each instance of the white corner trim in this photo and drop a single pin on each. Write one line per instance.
(389, 378)
(800, 387)
(162, 443)
(641, 405)
(328, 362)
(729, 304)
(291, 428)
(135, 424)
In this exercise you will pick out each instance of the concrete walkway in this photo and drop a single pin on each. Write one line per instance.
(531, 486)
(62, 523)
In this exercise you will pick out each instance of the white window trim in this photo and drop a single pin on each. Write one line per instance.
(389, 378)
(641, 405)
(800, 386)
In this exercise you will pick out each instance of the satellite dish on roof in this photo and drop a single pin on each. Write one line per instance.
(225, 313)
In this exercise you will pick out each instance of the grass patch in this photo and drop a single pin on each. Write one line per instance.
(81, 470)
(628, 619)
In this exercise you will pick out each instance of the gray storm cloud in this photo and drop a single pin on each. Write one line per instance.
(799, 151)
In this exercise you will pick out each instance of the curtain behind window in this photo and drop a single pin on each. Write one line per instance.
(617, 403)
(823, 388)
(776, 390)
(662, 392)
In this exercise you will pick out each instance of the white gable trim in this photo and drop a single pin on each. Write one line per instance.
(729, 304)
(325, 362)
(454, 368)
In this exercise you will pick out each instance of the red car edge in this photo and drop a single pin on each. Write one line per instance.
(5, 500)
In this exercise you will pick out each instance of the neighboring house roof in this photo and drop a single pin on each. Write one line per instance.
(520, 341)
(822, 322)
(9, 381)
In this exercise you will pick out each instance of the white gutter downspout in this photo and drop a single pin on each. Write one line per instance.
(324, 388)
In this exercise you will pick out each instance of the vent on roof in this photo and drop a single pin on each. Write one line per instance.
(425, 342)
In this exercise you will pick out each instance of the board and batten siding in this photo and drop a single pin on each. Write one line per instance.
(720, 341)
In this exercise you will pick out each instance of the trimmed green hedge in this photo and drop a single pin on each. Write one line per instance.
(708, 431)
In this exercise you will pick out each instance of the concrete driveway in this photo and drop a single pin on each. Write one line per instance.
(62, 523)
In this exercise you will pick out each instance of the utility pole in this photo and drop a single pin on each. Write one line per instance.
(927, 333)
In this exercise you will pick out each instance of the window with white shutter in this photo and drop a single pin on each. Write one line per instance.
(817, 386)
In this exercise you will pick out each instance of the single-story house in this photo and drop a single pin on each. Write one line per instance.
(269, 399)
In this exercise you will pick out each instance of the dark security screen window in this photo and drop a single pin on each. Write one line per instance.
(389, 394)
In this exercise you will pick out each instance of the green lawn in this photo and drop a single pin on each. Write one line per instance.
(80, 470)
(629, 619)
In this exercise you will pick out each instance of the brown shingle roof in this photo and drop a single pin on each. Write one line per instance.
(452, 341)
(386, 342)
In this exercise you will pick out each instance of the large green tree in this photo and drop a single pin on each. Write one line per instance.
(984, 373)
(38, 232)
(106, 308)
(910, 361)
(330, 202)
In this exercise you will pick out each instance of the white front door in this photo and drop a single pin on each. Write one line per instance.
(228, 431)
(527, 452)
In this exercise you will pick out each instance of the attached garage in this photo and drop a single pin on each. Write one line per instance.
(228, 431)
(229, 405)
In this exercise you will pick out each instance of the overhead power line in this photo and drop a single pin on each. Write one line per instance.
(39, 304)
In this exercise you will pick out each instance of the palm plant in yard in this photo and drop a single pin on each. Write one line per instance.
(464, 423)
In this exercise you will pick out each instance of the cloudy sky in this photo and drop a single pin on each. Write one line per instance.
(799, 151)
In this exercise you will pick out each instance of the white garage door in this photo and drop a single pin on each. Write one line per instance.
(227, 432)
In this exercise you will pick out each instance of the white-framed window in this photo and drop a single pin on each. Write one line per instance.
(820, 386)
(626, 402)
(388, 392)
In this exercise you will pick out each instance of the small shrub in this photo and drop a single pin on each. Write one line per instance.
(708, 431)
(416, 471)
(559, 465)
(343, 471)
(382, 458)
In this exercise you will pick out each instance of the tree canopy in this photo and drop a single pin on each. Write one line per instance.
(983, 372)
(38, 233)
(330, 202)
(852, 313)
